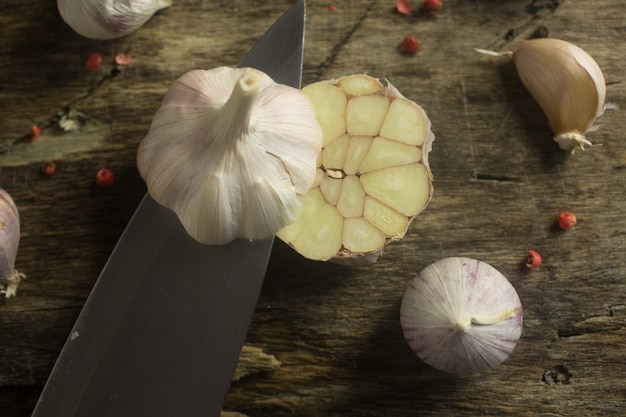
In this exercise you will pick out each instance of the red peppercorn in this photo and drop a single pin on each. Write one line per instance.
(403, 7)
(35, 131)
(567, 220)
(533, 260)
(49, 169)
(105, 178)
(94, 61)
(410, 45)
(432, 6)
(332, 8)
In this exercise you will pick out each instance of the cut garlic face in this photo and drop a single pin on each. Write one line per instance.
(461, 316)
(108, 19)
(373, 175)
(232, 153)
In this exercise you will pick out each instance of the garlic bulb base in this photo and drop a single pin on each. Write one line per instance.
(572, 141)
(11, 285)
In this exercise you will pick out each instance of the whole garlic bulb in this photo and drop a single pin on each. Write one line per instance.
(566, 82)
(9, 241)
(231, 152)
(108, 19)
(373, 175)
(461, 316)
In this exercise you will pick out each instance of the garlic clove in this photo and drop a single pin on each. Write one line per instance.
(374, 164)
(461, 316)
(568, 85)
(9, 242)
(108, 19)
(566, 82)
(232, 153)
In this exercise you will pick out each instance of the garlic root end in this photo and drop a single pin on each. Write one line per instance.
(572, 141)
(12, 283)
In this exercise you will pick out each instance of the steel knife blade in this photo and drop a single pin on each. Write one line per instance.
(161, 331)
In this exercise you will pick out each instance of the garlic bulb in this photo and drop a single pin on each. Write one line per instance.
(567, 84)
(461, 316)
(231, 152)
(9, 241)
(108, 19)
(373, 175)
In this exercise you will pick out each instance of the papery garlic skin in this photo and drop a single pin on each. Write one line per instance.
(9, 242)
(567, 83)
(373, 175)
(108, 19)
(232, 153)
(461, 316)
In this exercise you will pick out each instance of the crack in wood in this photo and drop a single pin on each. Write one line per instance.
(613, 320)
(330, 59)
(67, 131)
(536, 12)
(496, 178)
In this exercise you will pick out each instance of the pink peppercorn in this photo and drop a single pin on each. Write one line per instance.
(410, 45)
(533, 260)
(567, 220)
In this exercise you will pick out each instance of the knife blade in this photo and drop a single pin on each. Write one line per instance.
(161, 331)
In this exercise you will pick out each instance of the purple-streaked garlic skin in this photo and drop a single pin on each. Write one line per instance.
(461, 316)
(9, 241)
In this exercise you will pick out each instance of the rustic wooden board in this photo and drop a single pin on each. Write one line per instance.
(500, 182)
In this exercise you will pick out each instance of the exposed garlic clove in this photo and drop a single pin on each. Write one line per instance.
(108, 19)
(461, 316)
(374, 176)
(566, 82)
(232, 153)
(9, 242)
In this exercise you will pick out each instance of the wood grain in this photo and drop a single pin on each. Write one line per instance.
(500, 182)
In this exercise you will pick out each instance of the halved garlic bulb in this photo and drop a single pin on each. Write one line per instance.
(108, 19)
(461, 316)
(232, 153)
(373, 175)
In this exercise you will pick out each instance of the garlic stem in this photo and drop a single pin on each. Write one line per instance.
(233, 120)
(493, 53)
(497, 318)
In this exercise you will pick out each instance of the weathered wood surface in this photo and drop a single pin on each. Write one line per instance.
(499, 183)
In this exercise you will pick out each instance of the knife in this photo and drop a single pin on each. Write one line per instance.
(161, 332)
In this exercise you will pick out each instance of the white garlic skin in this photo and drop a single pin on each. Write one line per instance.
(568, 85)
(108, 19)
(9, 242)
(461, 316)
(225, 180)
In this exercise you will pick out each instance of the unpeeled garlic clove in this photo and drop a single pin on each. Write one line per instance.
(566, 82)
(231, 152)
(108, 19)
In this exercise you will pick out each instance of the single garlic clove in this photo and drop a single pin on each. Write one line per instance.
(374, 165)
(9, 242)
(567, 83)
(232, 153)
(108, 19)
(461, 316)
